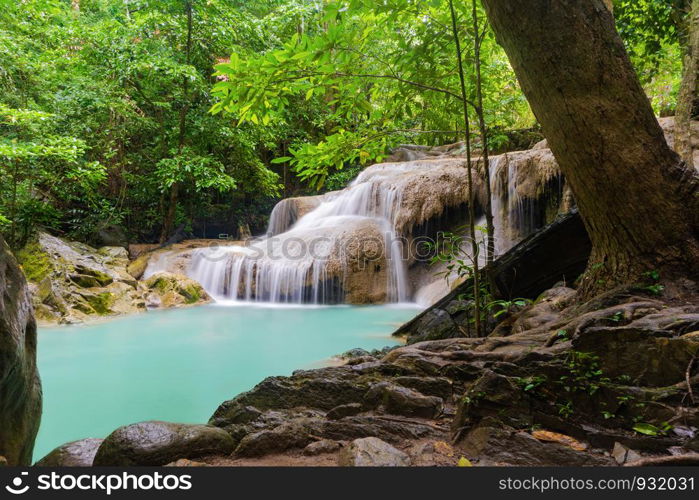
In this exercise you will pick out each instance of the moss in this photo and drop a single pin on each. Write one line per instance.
(137, 267)
(191, 293)
(35, 263)
(163, 285)
(101, 302)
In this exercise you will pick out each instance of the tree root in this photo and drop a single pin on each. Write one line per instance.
(686, 459)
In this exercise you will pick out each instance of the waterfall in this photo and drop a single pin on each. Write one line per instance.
(308, 262)
(356, 245)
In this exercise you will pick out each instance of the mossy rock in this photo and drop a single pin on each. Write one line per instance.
(169, 290)
(101, 303)
(35, 263)
(191, 292)
(138, 266)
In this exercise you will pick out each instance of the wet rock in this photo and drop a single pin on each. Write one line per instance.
(173, 290)
(74, 454)
(343, 411)
(429, 386)
(403, 401)
(294, 434)
(322, 447)
(372, 452)
(20, 387)
(435, 324)
(323, 389)
(494, 444)
(388, 428)
(159, 443)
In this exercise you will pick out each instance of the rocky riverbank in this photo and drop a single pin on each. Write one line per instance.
(608, 382)
(72, 282)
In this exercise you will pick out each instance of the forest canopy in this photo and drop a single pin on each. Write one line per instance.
(133, 120)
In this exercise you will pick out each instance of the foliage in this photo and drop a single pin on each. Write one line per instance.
(104, 109)
(654, 33)
(111, 76)
(384, 73)
(506, 306)
(44, 170)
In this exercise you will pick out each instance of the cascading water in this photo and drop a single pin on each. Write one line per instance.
(355, 245)
(308, 262)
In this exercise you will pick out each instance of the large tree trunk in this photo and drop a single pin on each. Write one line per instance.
(639, 201)
(688, 102)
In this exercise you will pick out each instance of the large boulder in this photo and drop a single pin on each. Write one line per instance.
(159, 443)
(72, 282)
(79, 453)
(20, 387)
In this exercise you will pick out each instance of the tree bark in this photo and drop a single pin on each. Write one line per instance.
(639, 201)
(688, 101)
(169, 221)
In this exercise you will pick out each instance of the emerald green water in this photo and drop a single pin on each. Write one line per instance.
(179, 365)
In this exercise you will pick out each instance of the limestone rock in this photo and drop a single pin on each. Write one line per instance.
(20, 387)
(159, 443)
(173, 290)
(74, 454)
(372, 452)
(72, 282)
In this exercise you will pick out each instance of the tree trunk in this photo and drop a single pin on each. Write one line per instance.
(469, 166)
(639, 201)
(169, 221)
(688, 101)
(482, 127)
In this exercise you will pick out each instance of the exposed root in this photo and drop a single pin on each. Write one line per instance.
(687, 459)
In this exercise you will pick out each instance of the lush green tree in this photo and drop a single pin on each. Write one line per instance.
(385, 73)
(45, 172)
(116, 76)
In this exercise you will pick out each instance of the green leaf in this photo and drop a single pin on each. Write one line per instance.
(647, 429)
(282, 159)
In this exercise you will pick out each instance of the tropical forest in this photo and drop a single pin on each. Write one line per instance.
(349, 233)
